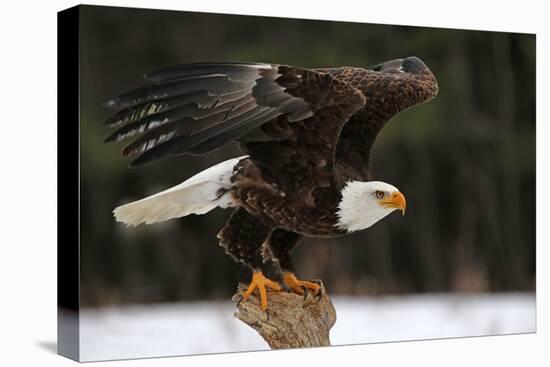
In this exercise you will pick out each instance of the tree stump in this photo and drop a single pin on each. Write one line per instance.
(291, 320)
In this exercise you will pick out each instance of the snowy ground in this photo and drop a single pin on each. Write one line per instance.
(209, 327)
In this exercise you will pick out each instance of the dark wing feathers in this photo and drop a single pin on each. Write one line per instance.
(221, 139)
(233, 71)
(390, 87)
(215, 84)
(153, 149)
(185, 115)
(197, 108)
(200, 99)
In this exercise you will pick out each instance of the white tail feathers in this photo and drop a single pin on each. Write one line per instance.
(197, 195)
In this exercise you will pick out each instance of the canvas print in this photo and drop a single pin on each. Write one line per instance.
(251, 183)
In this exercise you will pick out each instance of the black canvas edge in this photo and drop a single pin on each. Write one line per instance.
(68, 183)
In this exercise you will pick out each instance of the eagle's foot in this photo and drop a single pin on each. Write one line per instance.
(262, 283)
(301, 287)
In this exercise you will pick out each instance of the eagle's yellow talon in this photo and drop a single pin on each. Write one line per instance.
(296, 285)
(261, 282)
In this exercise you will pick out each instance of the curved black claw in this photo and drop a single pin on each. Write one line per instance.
(305, 292)
(319, 294)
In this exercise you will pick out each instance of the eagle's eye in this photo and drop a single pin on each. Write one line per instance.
(379, 194)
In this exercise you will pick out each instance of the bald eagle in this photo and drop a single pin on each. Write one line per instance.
(307, 135)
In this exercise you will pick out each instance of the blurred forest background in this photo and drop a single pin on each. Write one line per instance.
(465, 161)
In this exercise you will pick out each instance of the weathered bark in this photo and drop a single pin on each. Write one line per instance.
(291, 320)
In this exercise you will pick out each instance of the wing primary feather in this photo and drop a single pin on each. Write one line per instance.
(153, 121)
(187, 127)
(234, 71)
(192, 111)
(214, 84)
(220, 140)
(156, 153)
(201, 99)
(182, 144)
(201, 136)
(127, 115)
(301, 114)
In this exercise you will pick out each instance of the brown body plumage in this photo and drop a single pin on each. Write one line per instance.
(306, 132)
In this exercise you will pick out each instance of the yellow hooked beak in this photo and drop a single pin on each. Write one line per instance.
(396, 200)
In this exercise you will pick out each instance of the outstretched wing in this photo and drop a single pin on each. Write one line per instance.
(287, 118)
(389, 87)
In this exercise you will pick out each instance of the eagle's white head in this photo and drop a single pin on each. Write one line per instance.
(365, 203)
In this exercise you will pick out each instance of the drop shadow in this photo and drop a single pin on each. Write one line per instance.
(50, 346)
